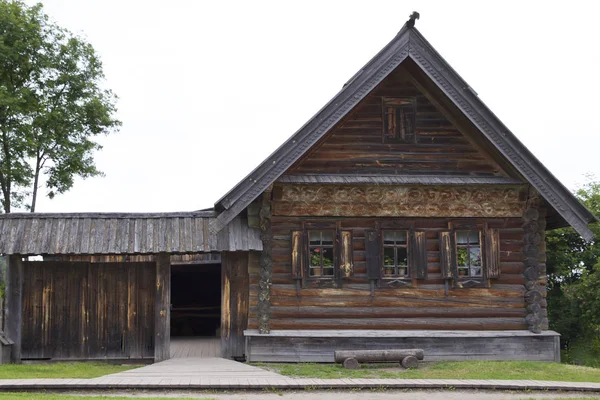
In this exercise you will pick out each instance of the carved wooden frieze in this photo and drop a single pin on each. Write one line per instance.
(399, 201)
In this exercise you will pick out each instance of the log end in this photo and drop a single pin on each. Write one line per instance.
(409, 362)
(351, 363)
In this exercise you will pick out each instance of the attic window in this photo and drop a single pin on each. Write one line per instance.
(399, 119)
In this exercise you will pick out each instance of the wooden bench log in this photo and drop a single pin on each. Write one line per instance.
(377, 355)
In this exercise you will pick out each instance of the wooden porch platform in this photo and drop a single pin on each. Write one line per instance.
(195, 346)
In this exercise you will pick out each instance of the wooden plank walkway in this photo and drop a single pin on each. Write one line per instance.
(195, 346)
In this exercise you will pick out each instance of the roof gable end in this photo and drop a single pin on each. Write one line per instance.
(408, 43)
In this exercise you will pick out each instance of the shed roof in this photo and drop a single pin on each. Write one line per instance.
(408, 44)
(122, 233)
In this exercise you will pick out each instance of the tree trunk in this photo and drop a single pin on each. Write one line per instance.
(35, 183)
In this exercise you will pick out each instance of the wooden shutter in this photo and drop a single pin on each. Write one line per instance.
(492, 256)
(346, 264)
(418, 254)
(297, 254)
(373, 256)
(446, 255)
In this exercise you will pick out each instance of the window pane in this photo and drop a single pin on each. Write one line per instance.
(327, 256)
(475, 256)
(314, 238)
(462, 237)
(327, 238)
(388, 256)
(315, 257)
(461, 257)
(402, 256)
(389, 237)
(315, 271)
(476, 271)
(327, 271)
(401, 237)
(474, 237)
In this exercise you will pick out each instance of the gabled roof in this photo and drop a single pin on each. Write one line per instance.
(408, 44)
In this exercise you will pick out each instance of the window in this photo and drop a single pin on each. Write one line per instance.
(395, 254)
(399, 119)
(468, 254)
(321, 257)
(320, 254)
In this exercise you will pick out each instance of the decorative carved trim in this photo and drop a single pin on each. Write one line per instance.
(266, 265)
(399, 201)
(535, 272)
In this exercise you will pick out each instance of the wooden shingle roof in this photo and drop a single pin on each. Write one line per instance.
(121, 233)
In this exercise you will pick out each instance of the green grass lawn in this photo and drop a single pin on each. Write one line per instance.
(35, 396)
(446, 370)
(60, 370)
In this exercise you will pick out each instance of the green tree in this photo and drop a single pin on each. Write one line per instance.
(574, 274)
(52, 105)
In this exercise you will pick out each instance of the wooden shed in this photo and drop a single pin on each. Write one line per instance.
(404, 213)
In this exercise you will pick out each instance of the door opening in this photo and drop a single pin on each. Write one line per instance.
(196, 300)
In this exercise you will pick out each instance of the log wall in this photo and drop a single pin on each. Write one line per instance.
(88, 311)
(424, 304)
(355, 145)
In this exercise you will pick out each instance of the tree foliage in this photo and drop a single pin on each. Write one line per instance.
(574, 274)
(52, 105)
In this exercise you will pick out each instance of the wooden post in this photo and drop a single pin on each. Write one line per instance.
(14, 304)
(234, 303)
(266, 265)
(162, 308)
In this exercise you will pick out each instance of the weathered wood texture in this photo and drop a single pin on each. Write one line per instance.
(383, 355)
(176, 259)
(266, 265)
(535, 268)
(319, 346)
(355, 145)
(393, 303)
(83, 311)
(399, 201)
(14, 305)
(95, 234)
(234, 303)
(162, 309)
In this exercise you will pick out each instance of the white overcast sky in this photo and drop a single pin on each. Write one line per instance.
(209, 89)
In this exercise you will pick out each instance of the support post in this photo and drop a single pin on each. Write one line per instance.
(266, 265)
(14, 304)
(534, 225)
(162, 308)
(234, 303)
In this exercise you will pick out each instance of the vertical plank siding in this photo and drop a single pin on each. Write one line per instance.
(88, 311)
(423, 304)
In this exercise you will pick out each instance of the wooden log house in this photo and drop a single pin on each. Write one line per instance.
(404, 214)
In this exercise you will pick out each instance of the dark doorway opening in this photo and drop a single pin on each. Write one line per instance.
(196, 300)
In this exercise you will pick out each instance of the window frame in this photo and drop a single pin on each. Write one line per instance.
(468, 246)
(395, 246)
(334, 250)
(489, 245)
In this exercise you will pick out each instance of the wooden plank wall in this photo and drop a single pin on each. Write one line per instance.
(425, 305)
(234, 303)
(88, 311)
(355, 146)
